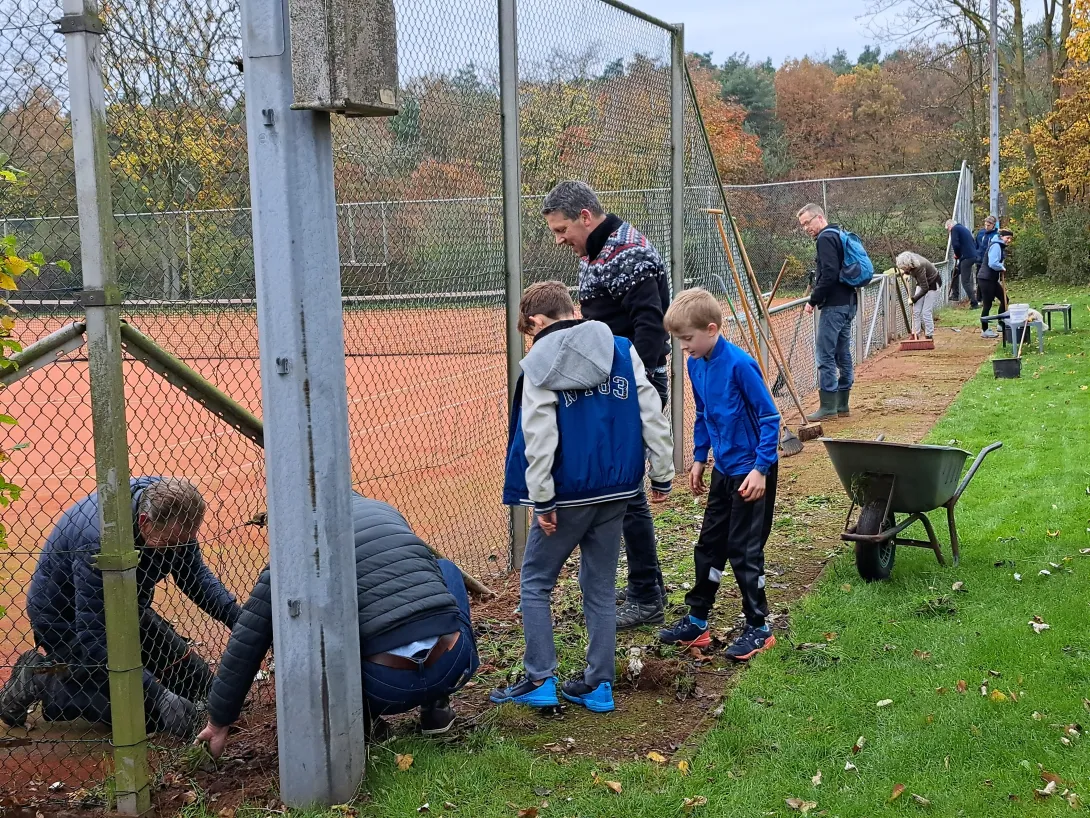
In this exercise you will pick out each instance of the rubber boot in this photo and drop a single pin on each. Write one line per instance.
(827, 409)
(842, 402)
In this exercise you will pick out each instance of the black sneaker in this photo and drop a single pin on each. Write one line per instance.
(621, 596)
(437, 718)
(751, 642)
(686, 633)
(634, 614)
(22, 689)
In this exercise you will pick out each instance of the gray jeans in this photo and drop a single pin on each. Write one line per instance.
(834, 348)
(596, 529)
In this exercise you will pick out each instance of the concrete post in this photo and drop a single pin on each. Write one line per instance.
(118, 558)
(677, 234)
(512, 229)
(319, 694)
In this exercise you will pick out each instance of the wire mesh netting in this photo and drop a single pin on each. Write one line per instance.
(419, 218)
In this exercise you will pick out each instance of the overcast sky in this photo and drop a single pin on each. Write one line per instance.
(767, 28)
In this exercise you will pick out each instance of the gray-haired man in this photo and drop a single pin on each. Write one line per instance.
(622, 283)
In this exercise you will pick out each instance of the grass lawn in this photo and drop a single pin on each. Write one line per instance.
(794, 717)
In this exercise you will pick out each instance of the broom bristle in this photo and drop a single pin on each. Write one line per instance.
(790, 445)
(812, 431)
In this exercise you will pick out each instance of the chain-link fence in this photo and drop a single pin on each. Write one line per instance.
(420, 228)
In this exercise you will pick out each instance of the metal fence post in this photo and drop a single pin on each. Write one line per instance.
(824, 197)
(677, 234)
(118, 558)
(316, 636)
(512, 229)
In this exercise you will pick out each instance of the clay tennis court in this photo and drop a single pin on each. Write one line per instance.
(428, 434)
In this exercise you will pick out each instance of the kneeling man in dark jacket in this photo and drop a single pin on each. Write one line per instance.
(416, 638)
(67, 612)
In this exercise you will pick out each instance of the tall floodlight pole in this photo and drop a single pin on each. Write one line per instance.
(319, 694)
(993, 134)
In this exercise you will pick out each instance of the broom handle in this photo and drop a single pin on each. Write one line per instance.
(788, 377)
(1025, 329)
(741, 295)
(776, 286)
(745, 306)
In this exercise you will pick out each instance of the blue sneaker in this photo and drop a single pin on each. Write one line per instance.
(751, 642)
(686, 633)
(596, 700)
(526, 692)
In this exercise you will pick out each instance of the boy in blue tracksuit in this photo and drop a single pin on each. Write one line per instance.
(583, 413)
(738, 422)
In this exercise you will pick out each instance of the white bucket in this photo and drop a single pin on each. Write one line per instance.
(1019, 312)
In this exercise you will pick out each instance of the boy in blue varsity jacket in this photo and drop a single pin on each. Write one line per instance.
(738, 422)
(583, 413)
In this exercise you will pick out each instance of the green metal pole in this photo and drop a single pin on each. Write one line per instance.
(117, 560)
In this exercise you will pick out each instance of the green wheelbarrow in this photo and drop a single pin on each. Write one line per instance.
(887, 479)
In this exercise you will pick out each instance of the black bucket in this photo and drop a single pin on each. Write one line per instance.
(1007, 367)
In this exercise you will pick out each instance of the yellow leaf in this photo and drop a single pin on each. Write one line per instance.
(658, 758)
(16, 266)
(614, 785)
(1052, 534)
(898, 790)
(7, 282)
(998, 696)
(7, 323)
(683, 766)
(403, 761)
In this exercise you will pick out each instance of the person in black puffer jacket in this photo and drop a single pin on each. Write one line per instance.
(416, 637)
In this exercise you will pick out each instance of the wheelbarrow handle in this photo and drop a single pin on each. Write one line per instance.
(972, 470)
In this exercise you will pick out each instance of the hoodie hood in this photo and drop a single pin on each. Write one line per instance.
(578, 357)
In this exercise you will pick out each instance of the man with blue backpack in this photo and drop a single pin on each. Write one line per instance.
(842, 266)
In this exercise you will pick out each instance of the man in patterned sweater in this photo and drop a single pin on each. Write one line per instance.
(622, 283)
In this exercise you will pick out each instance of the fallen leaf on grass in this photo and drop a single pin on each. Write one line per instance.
(859, 744)
(885, 703)
(658, 758)
(998, 696)
(940, 690)
(683, 767)
(829, 637)
(1073, 800)
(816, 780)
(403, 761)
(898, 791)
(962, 686)
(1038, 627)
(189, 798)
(424, 808)
(1047, 791)
(800, 805)
(449, 805)
(613, 785)
(850, 768)
(346, 810)
(230, 812)
(1048, 777)
(689, 804)
(919, 799)
(958, 586)
(529, 812)
(922, 654)
(845, 587)
(1052, 534)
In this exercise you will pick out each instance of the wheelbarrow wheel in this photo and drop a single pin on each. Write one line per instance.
(874, 562)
